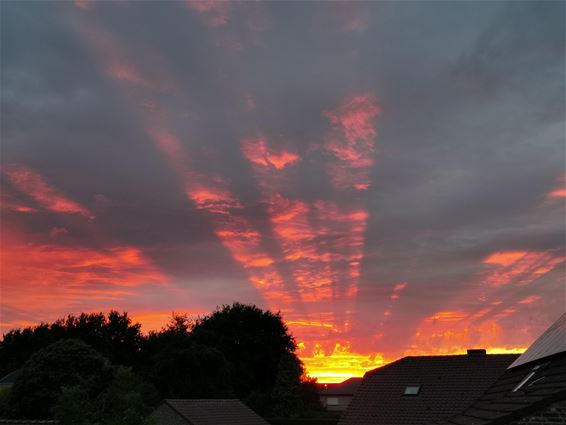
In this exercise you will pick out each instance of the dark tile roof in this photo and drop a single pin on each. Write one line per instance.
(501, 405)
(27, 422)
(10, 378)
(348, 387)
(207, 412)
(449, 384)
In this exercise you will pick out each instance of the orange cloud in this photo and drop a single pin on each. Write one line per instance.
(448, 332)
(212, 195)
(400, 286)
(45, 280)
(33, 185)
(354, 120)
(559, 192)
(209, 193)
(48, 264)
(289, 219)
(6, 203)
(397, 289)
(530, 300)
(504, 258)
(519, 267)
(343, 232)
(257, 152)
(309, 323)
(352, 142)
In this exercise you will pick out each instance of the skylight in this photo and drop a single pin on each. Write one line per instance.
(526, 379)
(412, 390)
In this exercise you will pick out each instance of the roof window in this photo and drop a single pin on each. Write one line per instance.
(412, 390)
(525, 379)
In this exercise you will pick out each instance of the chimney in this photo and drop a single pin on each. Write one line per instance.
(476, 352)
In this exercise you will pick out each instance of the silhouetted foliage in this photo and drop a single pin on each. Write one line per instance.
(126, 401)
(66, 363)
(236, 351)
(4, 402)
(18, 345)
(286, 393)
(74, 407)
(181, 368)
(115, 336)
(254, 341)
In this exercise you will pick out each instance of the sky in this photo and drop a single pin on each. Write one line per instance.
(388, 175)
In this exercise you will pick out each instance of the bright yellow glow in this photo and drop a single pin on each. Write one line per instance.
(505, 350)
(340, 364)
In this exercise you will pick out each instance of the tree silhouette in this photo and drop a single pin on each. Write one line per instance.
(115, 336)
(254, 341)
(66, 363)
(86, 365)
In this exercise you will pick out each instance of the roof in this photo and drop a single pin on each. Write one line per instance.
(551, 342)
(448, 384)
(206, 412)
(10, 378)
(501, 405)
(348, 387)
(526, 387)
(27, 422)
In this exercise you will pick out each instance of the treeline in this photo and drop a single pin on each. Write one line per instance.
(101, 369)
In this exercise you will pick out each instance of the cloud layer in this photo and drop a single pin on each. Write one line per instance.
(390, 176)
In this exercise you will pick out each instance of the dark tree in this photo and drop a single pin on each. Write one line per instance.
(18, 345)
(115, 336)
(74, 407)
(181, 368)
(64, 364)
(254, 341)
(286, 394)
(238, 350)
(126, 401)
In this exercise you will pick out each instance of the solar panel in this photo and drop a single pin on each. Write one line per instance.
(553, 341)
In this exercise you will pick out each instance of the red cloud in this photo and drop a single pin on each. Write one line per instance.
(214, 12)
(559, 192)
(33, 185)
(115, 61)
(257, 152)
(352, 142)
(8, 203)
(48, 279)
(212, 195)
(519, 267)
(530, 300)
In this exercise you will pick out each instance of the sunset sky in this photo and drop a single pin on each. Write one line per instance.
(388, 175)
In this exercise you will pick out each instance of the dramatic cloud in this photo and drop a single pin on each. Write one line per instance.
(34, 186)
(388, 175)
